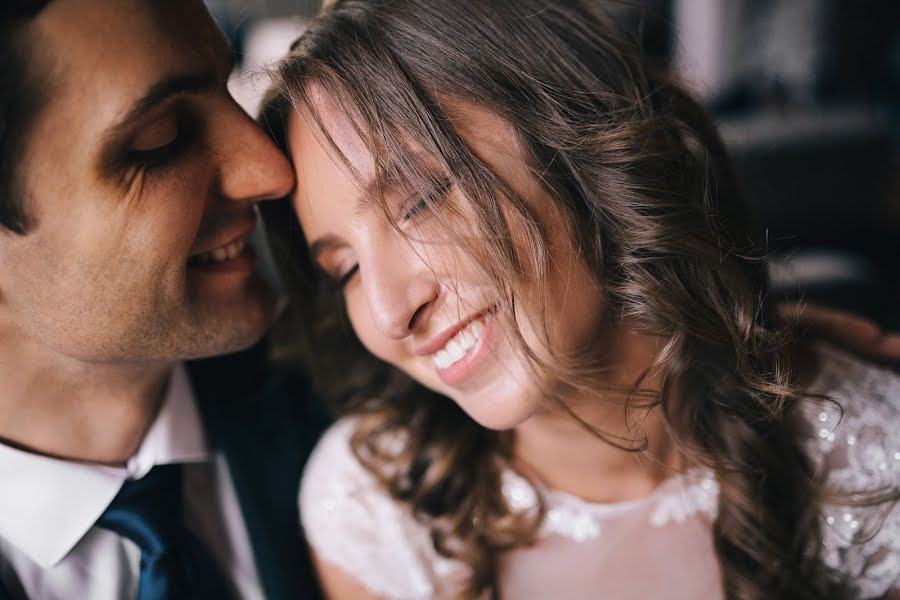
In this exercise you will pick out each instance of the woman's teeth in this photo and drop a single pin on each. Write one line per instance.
(226, 252)
(458, 345)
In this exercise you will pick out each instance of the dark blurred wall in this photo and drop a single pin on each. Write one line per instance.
(807, 95)
(255, 9)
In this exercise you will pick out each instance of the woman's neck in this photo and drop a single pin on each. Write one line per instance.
(562, 453)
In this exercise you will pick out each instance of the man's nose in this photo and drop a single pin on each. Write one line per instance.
(401, 290)
(252, 169)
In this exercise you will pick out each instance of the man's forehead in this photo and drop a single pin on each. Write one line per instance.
(113, 50)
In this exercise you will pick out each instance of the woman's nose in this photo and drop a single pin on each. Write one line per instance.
(401, 291)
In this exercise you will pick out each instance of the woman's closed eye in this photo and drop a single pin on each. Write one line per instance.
(343, 280)
(422, 202)
(337, 271)
(416, 205)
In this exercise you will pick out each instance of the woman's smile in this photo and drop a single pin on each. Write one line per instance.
(458, 351)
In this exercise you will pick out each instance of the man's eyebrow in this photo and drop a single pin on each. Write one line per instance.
(159, 92)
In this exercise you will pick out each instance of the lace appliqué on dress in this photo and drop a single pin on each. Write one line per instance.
(699, 496)
(857, 447)
(676, 500)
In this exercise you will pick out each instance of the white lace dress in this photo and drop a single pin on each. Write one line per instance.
(659, 546)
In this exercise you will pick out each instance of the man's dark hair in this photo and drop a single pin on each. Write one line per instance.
(20, 99)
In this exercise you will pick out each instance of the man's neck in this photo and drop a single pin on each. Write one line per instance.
(66, 408)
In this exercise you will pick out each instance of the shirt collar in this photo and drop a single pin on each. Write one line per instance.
(47, 505)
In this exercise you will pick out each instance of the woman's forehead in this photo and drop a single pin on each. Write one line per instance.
(337, 127)
(485, 132)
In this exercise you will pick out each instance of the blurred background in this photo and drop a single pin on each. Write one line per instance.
(807, 97)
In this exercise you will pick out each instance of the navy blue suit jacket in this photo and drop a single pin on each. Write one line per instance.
(266, 420)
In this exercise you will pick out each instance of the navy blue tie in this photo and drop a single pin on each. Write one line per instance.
(174, 564)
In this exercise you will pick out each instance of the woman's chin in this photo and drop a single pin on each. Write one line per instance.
(498, 414)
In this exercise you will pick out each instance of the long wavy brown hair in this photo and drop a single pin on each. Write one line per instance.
(645, 187)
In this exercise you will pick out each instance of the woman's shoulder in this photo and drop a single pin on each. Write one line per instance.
(352, 522)
(854, 420)
(858, 382)
(854, 444)
(340, 500)
(332, 467)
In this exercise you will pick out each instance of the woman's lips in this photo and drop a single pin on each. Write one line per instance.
(438, 342)
(465, 351)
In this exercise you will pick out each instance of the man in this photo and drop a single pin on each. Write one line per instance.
(128, 180)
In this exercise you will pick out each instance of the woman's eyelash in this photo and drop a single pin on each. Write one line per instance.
(424, 202)
(437, 193)
(345, 278)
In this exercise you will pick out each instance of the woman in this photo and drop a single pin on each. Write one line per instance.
(569, 383)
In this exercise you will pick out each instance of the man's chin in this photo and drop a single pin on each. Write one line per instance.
(240, 344)
(233, 331)
(223, 344)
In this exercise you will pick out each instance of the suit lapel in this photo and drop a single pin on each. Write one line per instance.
(266, 422)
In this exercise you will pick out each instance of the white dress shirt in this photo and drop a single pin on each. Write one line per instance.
(48, 508)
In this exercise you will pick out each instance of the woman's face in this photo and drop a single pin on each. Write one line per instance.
(419, 301)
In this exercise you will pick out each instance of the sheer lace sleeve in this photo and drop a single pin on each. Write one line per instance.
(858, 446)
(352, 523)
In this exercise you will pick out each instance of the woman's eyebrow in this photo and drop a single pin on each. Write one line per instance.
(387, 182)
(329, 241)
(321, 245)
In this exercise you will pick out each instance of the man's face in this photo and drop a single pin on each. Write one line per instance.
(141, 175)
